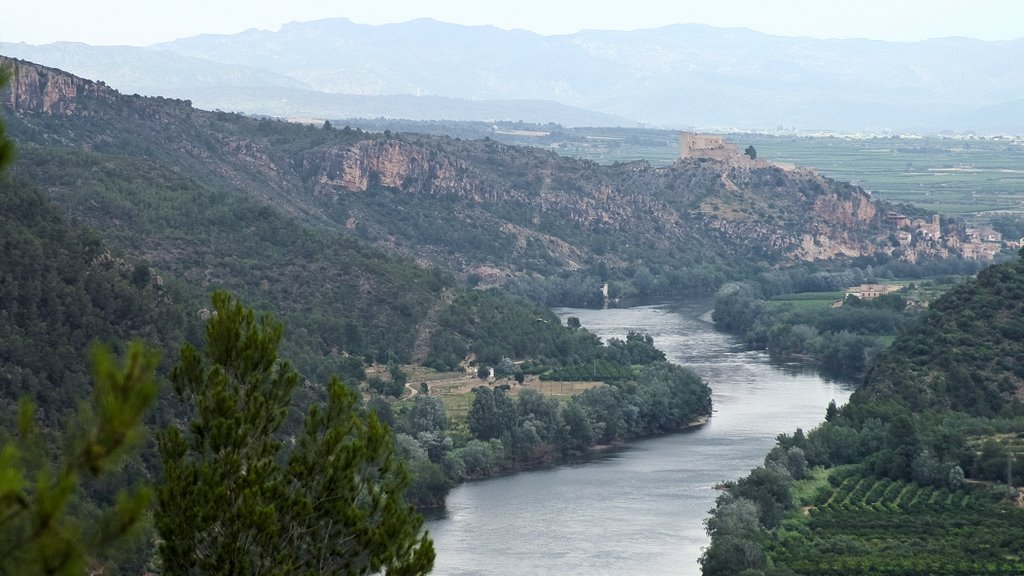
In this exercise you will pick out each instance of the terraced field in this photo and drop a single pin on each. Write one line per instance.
(866, 525)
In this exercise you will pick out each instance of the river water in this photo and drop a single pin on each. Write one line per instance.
(639, 509)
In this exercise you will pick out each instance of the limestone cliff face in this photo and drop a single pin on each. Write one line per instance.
(838, 217)
(774, 214)
(393, 164)
(795, 213)
(35, 88)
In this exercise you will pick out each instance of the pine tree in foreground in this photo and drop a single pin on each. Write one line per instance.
(37, 533)
(240, 498)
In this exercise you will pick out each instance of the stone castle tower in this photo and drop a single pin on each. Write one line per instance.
(693, 145)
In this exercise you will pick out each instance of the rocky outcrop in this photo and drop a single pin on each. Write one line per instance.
(773, 214)
(35, 88)
(393, 164)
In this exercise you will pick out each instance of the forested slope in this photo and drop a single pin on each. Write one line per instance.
(182, 225)
(61, 290)
(966, 355)
(554, 227)
(918, 474)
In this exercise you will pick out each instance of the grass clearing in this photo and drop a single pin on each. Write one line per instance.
(455, 389)
(806, 300)
(804, 491)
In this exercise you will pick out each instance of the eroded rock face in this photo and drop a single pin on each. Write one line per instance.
(35, 88)
(392, 164)
(857, 209)
(814, 219)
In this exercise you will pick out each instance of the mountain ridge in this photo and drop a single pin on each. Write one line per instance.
(478, 208)
(679, 75)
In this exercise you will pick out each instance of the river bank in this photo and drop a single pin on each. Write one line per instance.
(639, 507)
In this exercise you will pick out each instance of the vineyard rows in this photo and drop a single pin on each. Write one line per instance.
(601, 370)
(863, 525)
(884, 495)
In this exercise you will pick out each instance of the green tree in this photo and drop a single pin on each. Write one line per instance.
(504, 368)
(577, 430)
(731, 555)
(769, 488)
(37, 533)
(491, 414)
(427, 415)
(734, 517)
(751, 151)
(796, 463)
(237, 499)
(831, 411)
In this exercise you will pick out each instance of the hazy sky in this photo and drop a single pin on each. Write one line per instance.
(143, 22)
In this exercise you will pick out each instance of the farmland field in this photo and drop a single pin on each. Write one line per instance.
(865, 525)
(952, 176)
(807, 299)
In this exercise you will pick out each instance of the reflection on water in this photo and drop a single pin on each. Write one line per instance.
(639, 509)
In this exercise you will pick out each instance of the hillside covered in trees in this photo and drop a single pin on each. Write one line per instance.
(554, 228)
(65, 291)
(61, 290)
(352, 306)
(919, 473)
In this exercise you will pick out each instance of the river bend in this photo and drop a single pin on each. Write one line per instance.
(638, 509)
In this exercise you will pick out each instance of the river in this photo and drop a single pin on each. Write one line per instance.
(638, 509)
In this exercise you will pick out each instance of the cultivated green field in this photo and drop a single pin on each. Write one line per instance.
(807, 299)
(952, 176)
(856, 524)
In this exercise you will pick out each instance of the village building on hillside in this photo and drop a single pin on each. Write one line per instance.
(872, 291)
(982, 243)
(897, 220)
(984, 235)
(974, 243)
(980, 250)
(931, 230)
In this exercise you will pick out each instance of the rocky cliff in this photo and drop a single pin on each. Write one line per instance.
(38, 89)
(764, 210)
(388, 163)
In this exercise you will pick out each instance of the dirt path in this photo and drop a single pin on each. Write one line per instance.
(729, 185)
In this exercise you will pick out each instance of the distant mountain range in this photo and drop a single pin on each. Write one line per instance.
(681, 75)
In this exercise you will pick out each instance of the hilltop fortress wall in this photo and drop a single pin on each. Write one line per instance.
(692, 145)
(706, 146)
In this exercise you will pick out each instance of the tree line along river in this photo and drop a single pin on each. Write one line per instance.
(637, 509)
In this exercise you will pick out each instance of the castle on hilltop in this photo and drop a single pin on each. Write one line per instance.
(693, 145)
